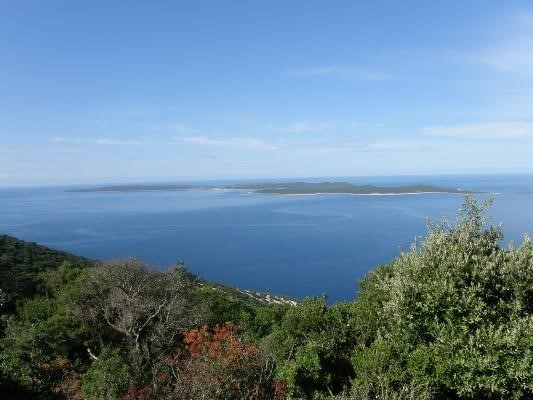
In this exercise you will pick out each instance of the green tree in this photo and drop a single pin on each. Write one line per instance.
(450, 318)
(108, 377)
(145, 311)
(46, 333)
(262, 320)
(222, 306)
(21, 264)
(312, 345)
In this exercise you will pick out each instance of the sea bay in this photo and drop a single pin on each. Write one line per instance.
(293, 245)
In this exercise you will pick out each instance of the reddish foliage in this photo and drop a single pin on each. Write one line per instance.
(222, 344)
(219, 364)
(68, 384)
(69, 387)
(280, 390)
(138, 393)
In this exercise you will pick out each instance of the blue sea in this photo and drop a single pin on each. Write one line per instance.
(293, 245)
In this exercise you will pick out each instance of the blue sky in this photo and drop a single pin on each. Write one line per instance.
(123, 91)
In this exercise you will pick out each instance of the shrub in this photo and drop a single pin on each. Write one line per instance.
(220, 365)
(450, 318)
(312, 345)
(108, 377)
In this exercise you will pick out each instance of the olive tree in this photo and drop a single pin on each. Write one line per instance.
(451, 318)
(149, 308)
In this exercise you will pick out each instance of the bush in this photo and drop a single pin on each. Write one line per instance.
(450, 318)
(108, 377)
(312, 345)
(221, 365)
(45, 335)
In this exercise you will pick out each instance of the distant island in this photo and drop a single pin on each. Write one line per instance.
(286, 188)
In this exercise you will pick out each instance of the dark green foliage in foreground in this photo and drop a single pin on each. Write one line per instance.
(450, 319)
(312, 344)
(47, 334)
(108, 378)
(21, 264)
(223, 305)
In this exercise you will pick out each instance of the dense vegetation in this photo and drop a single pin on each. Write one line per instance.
(21, 264)
(449, 319)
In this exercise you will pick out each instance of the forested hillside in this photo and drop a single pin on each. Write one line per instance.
(452, 318)
(21, 265)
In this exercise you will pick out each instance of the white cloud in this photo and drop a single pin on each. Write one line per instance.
(9, 178)
(484, 130)
(324, 146)
(305, 126)
(59, 139)
(181, 128)
(339, 72)
(417, 146)
(176, 127)
(33, 149)
(118, 142)
(514, 52)
(278, 144)
(101, 141)
(236, 142)
(316, 145)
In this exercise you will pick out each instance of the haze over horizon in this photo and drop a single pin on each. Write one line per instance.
(97, 92)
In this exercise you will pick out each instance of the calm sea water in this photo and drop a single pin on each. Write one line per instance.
(293, 245)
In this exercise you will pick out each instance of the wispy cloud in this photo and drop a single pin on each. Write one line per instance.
(305, 126)
(318, 145)
(392, 146)
(44, 149)
(411, 146)
(100, 141)
(339, 72)
(6, 177)
(272, 145)
(514, 53)
(236, 142)
(484, 130)
(470, 134)
(181, 128)
(176, 127)
(100, 122)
